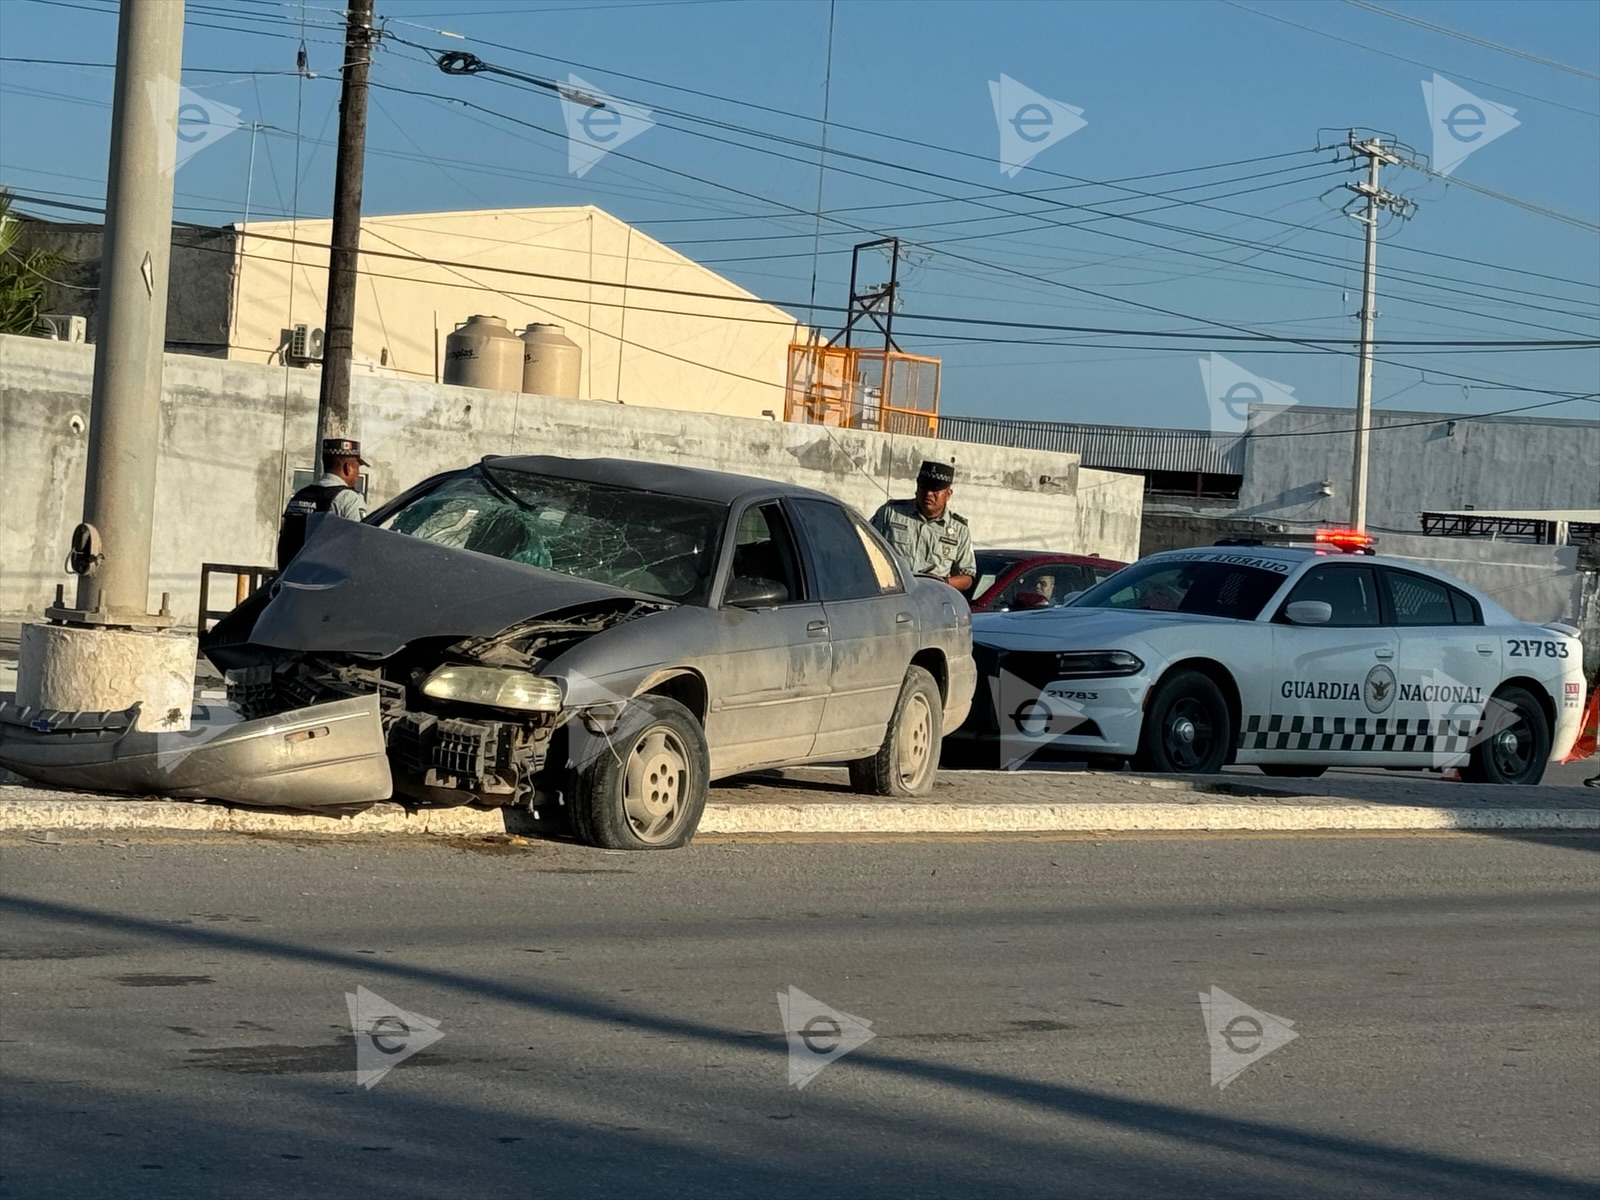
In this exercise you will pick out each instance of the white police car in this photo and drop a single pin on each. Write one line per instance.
(1292, 658)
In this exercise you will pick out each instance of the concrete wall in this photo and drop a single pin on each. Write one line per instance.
(711, 350)
(232, 432)
(1505, 463)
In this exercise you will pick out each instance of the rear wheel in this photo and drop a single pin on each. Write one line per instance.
(906, 762)
(1187, 729)
(1513, 746)
(1290, 771)
(642, 785)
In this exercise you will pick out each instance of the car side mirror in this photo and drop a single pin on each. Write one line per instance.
(1024, 600)
(1309, 612)
(748, 592)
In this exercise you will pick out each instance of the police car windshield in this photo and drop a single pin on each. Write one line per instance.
(1218, 585)
(660, 545)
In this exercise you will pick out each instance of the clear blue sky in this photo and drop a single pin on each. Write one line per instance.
(1164, 87)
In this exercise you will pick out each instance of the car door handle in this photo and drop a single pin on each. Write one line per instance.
(1486, 650)
(817, 627)
(904, 618)
(1385, 653)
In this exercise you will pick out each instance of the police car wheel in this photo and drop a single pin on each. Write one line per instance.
(642, 785)
(1288, 771)
(908, 759)
(1514, 744)
(1187, 728)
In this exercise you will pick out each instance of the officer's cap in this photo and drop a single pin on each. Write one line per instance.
(935, 476)
(343, 448)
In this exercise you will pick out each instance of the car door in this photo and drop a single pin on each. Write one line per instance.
(1448, 665)
(871, 621)
(1332, 685)
(774, 669)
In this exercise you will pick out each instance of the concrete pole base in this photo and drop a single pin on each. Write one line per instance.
(77, 669)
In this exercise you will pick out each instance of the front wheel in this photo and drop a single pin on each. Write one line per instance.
(1187, 729)
(1513, 744)
(906, 762)
(642, 784)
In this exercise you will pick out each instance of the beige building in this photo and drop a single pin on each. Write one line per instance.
(655, 327)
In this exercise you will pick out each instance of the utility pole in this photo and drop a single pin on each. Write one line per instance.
(1377, 201)
(107, 651)
(333, 407)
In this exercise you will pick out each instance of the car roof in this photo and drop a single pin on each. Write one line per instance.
(1032, 556)
(721, 487)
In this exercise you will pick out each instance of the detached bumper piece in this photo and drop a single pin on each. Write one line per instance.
(325, 756)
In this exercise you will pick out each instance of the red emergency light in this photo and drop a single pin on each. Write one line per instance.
(1351, 541)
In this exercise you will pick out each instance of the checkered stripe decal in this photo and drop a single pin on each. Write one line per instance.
(1453, 736)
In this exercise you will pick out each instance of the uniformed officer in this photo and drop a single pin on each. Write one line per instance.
(933, 539)
(333, 493)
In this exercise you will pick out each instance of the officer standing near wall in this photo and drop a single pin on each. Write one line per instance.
(934, 539)
(334, 492)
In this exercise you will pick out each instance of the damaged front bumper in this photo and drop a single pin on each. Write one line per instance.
(322, 756)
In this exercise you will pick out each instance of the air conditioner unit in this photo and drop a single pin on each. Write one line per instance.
(65, 328)
(305, 343)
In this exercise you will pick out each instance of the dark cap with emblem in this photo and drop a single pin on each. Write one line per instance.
(935, 476)
(343, 448)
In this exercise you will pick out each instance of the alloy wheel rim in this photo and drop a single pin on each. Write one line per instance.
(1188, 733)
(656, 785)
(914, 749)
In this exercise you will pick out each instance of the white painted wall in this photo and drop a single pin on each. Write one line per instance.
(232, 432)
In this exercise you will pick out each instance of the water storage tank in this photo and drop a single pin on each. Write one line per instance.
(550, 362)
(483, 353)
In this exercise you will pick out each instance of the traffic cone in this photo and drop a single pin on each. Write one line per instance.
(1584, 747)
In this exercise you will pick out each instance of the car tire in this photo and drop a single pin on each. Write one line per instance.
(642, 785)
(909, 758)
(1187, 728)
(1290, 771)
(1514, 744)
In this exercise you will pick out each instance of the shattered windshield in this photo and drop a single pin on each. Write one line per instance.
(663, 546)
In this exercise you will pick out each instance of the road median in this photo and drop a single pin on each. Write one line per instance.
(815, 802)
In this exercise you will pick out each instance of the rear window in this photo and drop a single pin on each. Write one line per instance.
(1205, 587)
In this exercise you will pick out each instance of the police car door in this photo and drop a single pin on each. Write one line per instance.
(1333, 680)
(1448, 666)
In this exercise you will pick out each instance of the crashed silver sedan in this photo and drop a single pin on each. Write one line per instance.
(607, 637)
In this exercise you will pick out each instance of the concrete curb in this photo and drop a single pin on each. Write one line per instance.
(47, 812)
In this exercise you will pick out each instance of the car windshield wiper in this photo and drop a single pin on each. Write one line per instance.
(502, 490)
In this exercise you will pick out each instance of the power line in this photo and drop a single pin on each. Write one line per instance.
(1467, 37)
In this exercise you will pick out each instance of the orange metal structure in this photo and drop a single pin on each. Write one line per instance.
(853, 388)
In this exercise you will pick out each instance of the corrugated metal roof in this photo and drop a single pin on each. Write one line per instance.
(1109, 447)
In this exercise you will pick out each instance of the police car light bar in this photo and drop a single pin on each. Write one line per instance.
(1347, 541)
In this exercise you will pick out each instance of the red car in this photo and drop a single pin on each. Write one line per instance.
(1010, 579)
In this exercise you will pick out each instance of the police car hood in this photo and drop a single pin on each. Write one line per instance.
(1079, 628)
(358, 589)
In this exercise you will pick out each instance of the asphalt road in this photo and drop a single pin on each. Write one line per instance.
(175, 1022)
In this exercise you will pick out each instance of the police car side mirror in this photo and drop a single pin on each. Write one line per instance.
(1309, 612)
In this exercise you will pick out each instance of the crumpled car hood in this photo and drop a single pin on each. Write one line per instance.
(358, 589)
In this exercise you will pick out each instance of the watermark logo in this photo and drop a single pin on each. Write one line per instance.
(199, 122)
(1462, 123)
(597, 124)
(386, 1035)
(1231, 390)
(1029, 123)
(819, 1036)
(1033, 717)
(1239, 1035)
(387, 409)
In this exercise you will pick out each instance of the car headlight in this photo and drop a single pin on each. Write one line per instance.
(1097, 664)
(496, 687)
